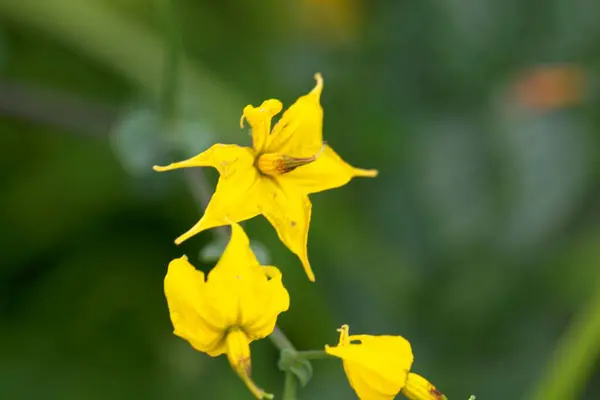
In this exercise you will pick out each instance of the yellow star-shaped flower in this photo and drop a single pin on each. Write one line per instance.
(236, 304)
(276, 175)
(378, 367)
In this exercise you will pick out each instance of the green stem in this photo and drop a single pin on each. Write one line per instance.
(281, 341)
(574, 358)
(172, 52)
(290, 387)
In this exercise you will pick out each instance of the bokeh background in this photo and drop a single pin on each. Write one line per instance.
(479, 241)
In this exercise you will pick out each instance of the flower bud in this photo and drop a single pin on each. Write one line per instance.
(419, 388)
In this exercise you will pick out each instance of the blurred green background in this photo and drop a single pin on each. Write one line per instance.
(478, 241)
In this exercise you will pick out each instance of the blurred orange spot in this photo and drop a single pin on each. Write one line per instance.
(332, 20)
(550, 87)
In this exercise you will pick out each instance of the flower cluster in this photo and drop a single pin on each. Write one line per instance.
(239, 300)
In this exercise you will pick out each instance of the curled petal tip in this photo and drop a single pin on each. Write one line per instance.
(319, 86)
(159, 168)
(242, 119)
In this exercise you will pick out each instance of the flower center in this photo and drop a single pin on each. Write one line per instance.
(273, 164)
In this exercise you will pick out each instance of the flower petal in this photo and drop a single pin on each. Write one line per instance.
(264, 303)
(219, 156)
(289, 211)
(259, 119)
(388, 355)
(235, 198)
(377, 367)
(248, 295)
(299, 132)
(238, 257)
(368, 384)
(328, 171)
(233, 278)
(194, 319)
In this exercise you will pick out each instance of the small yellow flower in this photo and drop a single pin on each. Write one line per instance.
(276, 175)
(378, 367)
(238, 303)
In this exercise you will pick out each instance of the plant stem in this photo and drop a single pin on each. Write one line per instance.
(289, 387)
(281, 341)
(574, 358)
(172, 56)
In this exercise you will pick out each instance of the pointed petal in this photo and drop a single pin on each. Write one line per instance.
(289, 212)
(194, 319)
(299, 132)
(219, 156)
(328, 171)
(259, 119)
(235, 198)
(249, 296)
(238, 257)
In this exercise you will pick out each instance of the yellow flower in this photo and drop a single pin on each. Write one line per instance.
(238, 303)
(378, 367)
(276, 175)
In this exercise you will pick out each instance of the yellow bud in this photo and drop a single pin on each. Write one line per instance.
(419, 388)
(238, 351)
(238, 354)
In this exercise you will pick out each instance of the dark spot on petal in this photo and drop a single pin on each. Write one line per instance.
(436, 392)
(246, 366)
(293, 223)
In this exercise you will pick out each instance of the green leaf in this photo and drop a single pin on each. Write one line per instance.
(136, 141)
(289, 362)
